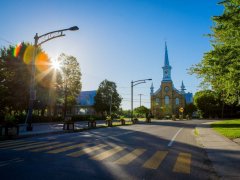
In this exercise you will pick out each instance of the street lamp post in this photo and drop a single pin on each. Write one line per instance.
(44, 38)
(134, 83)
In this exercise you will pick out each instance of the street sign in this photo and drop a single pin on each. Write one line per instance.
(181, 109)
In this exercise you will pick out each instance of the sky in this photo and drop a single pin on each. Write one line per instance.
(118, 40)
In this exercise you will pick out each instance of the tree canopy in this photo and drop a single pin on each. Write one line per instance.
(141, 111)
(208, 103)
(69, 80)
(220, 67)
(107, 95)
(16, 73)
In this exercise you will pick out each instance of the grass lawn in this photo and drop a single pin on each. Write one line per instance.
(228, 128)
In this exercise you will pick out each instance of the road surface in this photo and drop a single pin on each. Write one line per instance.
(157, 150)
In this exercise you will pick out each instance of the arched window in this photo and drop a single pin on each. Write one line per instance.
(157, 101)
(177, 101)
(166, 100)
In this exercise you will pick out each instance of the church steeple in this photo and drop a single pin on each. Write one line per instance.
(166, 68)
(183, 88)
(166, 61)
(151, 89)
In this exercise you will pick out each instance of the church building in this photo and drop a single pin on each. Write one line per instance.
(167, 100)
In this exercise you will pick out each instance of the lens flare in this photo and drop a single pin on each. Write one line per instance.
(42, 62)
(28, 54)
(17, 50)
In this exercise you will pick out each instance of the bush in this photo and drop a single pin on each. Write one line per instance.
(109, 118)
(122, 118)
(10, 119)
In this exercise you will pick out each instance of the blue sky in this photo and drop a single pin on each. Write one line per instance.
(118, 40)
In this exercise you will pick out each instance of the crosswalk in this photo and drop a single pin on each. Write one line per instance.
(104, 152)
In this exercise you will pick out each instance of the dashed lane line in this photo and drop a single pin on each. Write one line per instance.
(35, 146)
(155, 161)
(183, 163)
(86, 150)
(64, 149)
(107, 154)
(22, 145)
(15, 143)
(51, 147)
(130, 156)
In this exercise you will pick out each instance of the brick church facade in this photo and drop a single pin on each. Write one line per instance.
(167, 100)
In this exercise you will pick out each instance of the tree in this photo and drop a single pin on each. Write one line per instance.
(15, 68)
(68, 81)
(220, 67)
(107, 96)
(208, 103)
(189, 109)
(141, 111)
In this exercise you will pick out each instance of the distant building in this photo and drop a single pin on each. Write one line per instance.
(85, 103)
(167, 100)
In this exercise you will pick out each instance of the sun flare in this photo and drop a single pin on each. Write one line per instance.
(56, 64)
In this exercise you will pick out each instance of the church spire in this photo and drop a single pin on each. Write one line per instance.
(183, 88)
(166, 61)
(166, 68)
(151, 89)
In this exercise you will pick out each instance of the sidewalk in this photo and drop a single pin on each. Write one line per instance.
(49, 128)
(224, 153)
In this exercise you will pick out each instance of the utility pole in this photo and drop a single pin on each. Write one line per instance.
(140, 99)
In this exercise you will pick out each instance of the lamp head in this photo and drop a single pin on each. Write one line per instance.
(74, 28)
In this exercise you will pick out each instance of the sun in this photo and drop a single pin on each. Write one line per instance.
(56, 65)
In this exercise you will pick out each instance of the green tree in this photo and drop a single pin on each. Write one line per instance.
(14, 80)
(141, 111)
(189, 109)
(220, 67)
(208, 103)
(68, 81)
(15, 63)
(107, 95)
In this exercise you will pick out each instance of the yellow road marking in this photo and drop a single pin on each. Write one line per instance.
(183, 163)
(10, 142)
(130, 156)
(155, 161)
(21, 145)
(107, 154)
(66, 148)
(86, 150)
(50, 147)
(35, 146)
(14, 144)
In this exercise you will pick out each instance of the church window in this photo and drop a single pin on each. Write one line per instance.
(157, 101)
(166, 89)
(177, 101)
(166, 100)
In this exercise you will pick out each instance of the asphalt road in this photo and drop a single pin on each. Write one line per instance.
(158, 150)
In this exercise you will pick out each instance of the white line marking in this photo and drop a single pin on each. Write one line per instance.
(172, 140)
